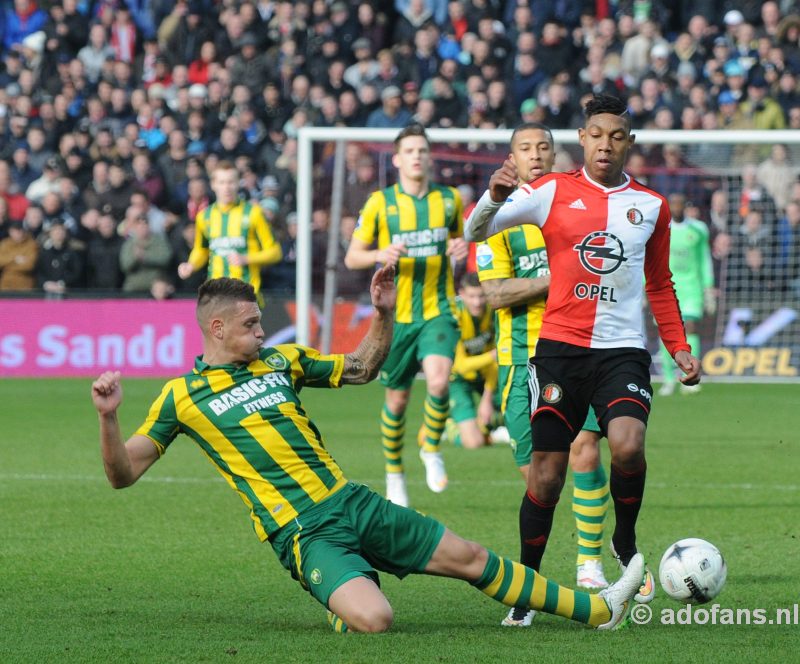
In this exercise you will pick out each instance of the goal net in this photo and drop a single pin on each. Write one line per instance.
(742, 185)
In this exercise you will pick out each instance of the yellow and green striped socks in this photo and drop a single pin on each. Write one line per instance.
(513, 584)
(393, 428)
(434, 418)
(336, 623)
(589, 505)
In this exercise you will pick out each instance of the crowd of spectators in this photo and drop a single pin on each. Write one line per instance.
(114, 112)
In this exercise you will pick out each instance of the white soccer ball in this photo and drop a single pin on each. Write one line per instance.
(692, 571)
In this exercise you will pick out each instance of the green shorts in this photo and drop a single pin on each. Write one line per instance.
(515, 405)
(354, 533)
(412, 343)
(463, 397)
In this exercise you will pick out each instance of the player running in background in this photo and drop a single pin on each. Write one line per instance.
(417, 226)
(232, 236)
(240, 404)
(693, 273)
(604, 234)
(474, 372)
(515, 274)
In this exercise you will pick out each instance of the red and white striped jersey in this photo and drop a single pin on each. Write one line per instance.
(603, 244)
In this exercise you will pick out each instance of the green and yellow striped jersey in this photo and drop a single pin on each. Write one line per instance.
(239, 229)
(424, 276)
(249, 422)
(517, 252)
(474, 355)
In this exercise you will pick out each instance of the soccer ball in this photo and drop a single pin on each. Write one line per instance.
(692, 571)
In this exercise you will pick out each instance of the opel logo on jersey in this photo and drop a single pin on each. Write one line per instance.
(552, 393)
(601, 252)
(634, 216)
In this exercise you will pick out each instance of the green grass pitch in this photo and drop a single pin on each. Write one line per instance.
(170, 570)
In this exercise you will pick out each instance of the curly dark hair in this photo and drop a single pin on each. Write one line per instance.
(606, 104)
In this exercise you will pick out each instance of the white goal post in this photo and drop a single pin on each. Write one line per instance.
(763, 322)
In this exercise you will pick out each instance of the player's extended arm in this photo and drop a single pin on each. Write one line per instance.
(513, 291)
(502, 207)
(469, 363)
(661, 290)
(362, 365)
(269, 251)
(360, 256)
(124, 463)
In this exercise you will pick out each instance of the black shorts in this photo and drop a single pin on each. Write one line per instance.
(566, 379)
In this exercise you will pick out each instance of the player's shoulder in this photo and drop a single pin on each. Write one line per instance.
(379, 196)
(643, 188)
(540, 182)
(445, 189)
(280, 356)
(699, 226)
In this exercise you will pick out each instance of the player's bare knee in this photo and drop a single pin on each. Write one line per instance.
(397, 401)
(547, 474)
(472, 438)
(438, 386)
(373, 622)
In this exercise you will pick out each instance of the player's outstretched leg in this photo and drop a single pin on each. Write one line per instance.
(628, 472)
(359, 605)
(434, 418)
(513, 584)
(589, 505)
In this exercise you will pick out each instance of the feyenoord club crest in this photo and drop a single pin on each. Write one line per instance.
(552, 393)
(634, 216)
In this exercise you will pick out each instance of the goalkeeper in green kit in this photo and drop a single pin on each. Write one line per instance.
(693, 275)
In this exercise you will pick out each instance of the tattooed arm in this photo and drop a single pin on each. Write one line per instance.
(362, 365)
(513, 291)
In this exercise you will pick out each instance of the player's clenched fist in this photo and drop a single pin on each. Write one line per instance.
(107, 392)
(503, 181)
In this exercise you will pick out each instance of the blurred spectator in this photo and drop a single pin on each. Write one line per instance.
(751, 266)
(95, 54)
(558, 107)
(360, 184)
(21, 171)
(365, 68)
(103, 255)
(349, 283)
(788, 247)
(754, 197)
(414, 14)
(760, 110)
(55, 212)
(22, 18)
(18, 253)
(391, 113)
(144, 257)
(47, 183)
(189, 37)
(147, 179)
(281, 277)
(249, 67)
(776, 175)
(371, 25)
(118, 195)
(636, 51)
(181, 239)
(60, 264)
(66, 29)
